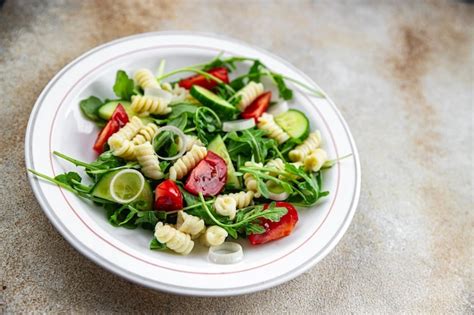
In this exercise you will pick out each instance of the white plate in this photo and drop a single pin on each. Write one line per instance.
(56, 123)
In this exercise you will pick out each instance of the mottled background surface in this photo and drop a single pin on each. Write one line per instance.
(400, 71)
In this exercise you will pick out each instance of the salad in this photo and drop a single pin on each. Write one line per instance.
(201, 159)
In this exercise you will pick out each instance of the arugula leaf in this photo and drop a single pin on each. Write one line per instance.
(123, 87)
(228, 63)
(254, 228)
(69, 178)
(178, 109)
(156, 245)
(250, 142)
(90, 108)
(283, 90)
(255, 71)
(207, 123)
(106, 161)
(146, 217)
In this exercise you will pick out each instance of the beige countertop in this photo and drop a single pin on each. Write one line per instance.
(401, 72)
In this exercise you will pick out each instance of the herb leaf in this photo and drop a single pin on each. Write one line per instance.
(90, 108)
(283, 90)
(156, 245)
(123, 87)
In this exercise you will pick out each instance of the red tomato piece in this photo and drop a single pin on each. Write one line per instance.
(109, 129)
(118, 120)
(168, 197)
(276, 230)
(258, 107)
(208, 177)
(120, 115)
(198, 79)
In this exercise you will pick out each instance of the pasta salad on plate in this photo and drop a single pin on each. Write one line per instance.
(199, 155)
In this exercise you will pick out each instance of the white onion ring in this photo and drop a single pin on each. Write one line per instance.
(278, 108)
(226, 253)
(238, 125)
(182, 139)
(277, 196)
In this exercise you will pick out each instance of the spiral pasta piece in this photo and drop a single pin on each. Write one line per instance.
(120, 143)
(248, 94)
(145, 79)
(150, 104)
(227, 205)
(175, 240)
(148, 161)
(268, 124)
(127, 132)
(124, 149)
(145, 134)
(190, 141)
(184, 164)
(277, 164)
(190, 224)
(315, 160)
(214, 236)
(249, 180)
(310, 144)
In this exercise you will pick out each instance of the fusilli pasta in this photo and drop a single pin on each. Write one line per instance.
(190, 141)
(120, 142)
(248, 94)
(175, 240)
(190, 224)
(124, 149)
(148, 160)
(146, 134)
(315, 160)
(310, 144)
(127, 132)
(268, 124)
(243, 198)
(145, 79)
(249, 180)
(214, 236)
(277, 164)
(226, 206)
(150, 104)
(184, 164)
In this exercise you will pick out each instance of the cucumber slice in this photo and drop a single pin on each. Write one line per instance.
(217, 146)
(207, 98)
(101, 190)
(106, 110)
(294, 123)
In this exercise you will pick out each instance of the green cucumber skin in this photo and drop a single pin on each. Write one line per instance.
(106, 110)
(217, 146)
(222, 108)
(101, 190)
(301, 121)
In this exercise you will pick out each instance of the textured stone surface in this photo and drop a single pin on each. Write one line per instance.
(402, 75)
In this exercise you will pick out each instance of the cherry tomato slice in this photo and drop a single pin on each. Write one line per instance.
(258, 107)
(198, 79)
(208, 177)
(120, 115)
(168, 197)
(118, 120)
(276, 230)
(109, 129)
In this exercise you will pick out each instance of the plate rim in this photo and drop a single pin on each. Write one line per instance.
(162, 286)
